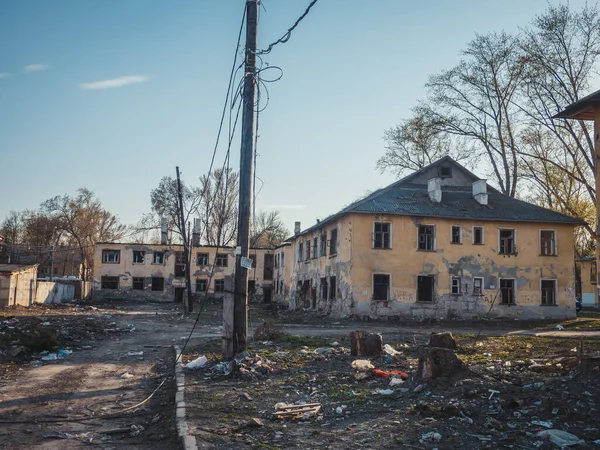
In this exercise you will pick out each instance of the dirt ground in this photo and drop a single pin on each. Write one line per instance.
(512, 383)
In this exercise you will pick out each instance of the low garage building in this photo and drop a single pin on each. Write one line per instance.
(17, 284)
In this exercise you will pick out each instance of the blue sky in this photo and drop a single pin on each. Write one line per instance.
(352, 69)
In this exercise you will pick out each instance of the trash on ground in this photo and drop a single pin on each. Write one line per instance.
(135, 353)
(431, 436)
(385, 391)
(362, 365)
(559, 437)
(290, 411)
(57, 435)
(197, 363)
(62, 352)
(50, 357)
(388, 374)
(542, 423)
(389, 350)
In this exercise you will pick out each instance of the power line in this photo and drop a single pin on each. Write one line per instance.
(286, 37)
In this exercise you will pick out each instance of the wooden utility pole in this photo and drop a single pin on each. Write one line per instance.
(240, 310)
(188, 306)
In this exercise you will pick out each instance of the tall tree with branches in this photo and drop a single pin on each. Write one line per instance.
(219, 209)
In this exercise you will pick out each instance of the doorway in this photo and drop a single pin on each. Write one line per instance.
(267, 293)
(424, 288)
(179, 294)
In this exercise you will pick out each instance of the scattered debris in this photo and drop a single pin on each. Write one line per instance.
(365, 344)
(140, 353)
(437, 362)
(197, 363)
(443, 340)
(559, 437)
(362, 365)
(303, 411)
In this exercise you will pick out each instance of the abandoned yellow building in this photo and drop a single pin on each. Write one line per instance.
(440, 243)
(158, 270)
(588, 278)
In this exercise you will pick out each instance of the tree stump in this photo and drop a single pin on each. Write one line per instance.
(365, 344)
(442, 340)
(438, 362)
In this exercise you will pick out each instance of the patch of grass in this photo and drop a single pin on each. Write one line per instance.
(301, 341)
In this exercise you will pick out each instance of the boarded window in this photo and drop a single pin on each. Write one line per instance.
(332, 288)
(477, 286)
(268, 269)
(381, 235)
(110, 282)
(158, 284)
(381, 287)
(548, 242)
(455, 285)
(220, 285)
(507, 292)
(138, 283)
(323, 288)
(159, 258)
(202, 259)
(201, 284)
(424, 288)
(138, 257)
(478, 235)
(221, 260)
(455, 235)
(507, 242)
(426, 236)
(111, 256)
(333, 242)
(548, 292)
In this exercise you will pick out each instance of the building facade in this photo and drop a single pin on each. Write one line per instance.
(439, 243)
(158, 271)
(17, 284)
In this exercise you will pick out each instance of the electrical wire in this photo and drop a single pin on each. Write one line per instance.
(286, 37)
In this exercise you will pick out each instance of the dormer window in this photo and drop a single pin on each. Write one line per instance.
(445, 171)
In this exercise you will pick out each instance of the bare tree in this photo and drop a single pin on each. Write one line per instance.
(268, 230)
(414, 144)
(219, 207)
(475, 100)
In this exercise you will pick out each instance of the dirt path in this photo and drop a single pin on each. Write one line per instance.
(100, 377)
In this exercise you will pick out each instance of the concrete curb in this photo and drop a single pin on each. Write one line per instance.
(188, 442)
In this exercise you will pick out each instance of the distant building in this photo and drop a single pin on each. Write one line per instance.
(588, 280)
(17, 284)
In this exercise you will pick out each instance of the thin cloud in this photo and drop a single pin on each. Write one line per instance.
(4, 75)
(114, 83)
(285, 206)
(36, 67)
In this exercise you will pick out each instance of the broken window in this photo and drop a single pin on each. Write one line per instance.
(478, 235)
(253, 258)
(276, 260)
(324, 288)
(455, 285)
(507, 292)
(424, 288)
(202, 259)
(548, 292)
(593, 273)
(201, 284)
(381, 235)
(179, 264)
(251, 286)
(282, 260)
(281, 287)
(111, 256)
(138, 257)
(333, 242)
(220, 285)
(110, 282)
(381, 287)
(307, 256)
(548, 242)
(477, 286)
(300, 251)
(456, 238)
(158, 284)
(315, 248)
(507, 242)
(426, 237)
(221, 260)
(445, 172)
(332, 287)
(268, 267)
(324, 243)
(138, 283)
(158, 258)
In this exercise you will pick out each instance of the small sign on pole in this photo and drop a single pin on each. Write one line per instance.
(246, 263)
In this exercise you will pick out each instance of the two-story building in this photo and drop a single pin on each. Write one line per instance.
(158, 270)
(440, 243)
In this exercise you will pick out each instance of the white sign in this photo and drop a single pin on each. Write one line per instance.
(178, 282)
(238, 250)
(246, 263)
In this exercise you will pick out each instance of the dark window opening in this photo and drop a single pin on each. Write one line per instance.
(110, 282)
(507, 242)
(593, 273)
(548, 243)
(333, 242)
(138, 283)
(307, 256)
(445, 171)
(201, 285)
(507, 291)
(220, 285)
(315, 248)
(300, 251)
(424, 288)
(324, 244)
(282, 259)
(159, 258)
(455, 235)
(268, 268)
(381, 235)
(477, 286)
(111, 256)
(251, 286)
(332, 288)
(138, 257)
(381, 287)
(313, 297)
(455, 286)
(478, 235)
(426, 233)
(158, 284)
(202, 259)
(324, 288)
(548, 292)
(221, 260)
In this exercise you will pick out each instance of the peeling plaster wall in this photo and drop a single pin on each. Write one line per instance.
(22, 286)
(283, 273)
(403, 262)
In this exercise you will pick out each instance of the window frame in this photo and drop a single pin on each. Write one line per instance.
(433, 238)
(220, 285)
(593, 273)
(205, 280)
(136, 280)
(452, 227)
(205, 256)
(333, 245)
(482, 235)
(300, 251)
(388, 232)
(104, 278)
(163, 284)
(481, 288)
(514, 289)
(315, 247)
(514, 239)
(324, 288)
(162, 257)
(323, 248)
(221, 257)
(107, 251)
(554, 242)
(554, 291)
(389, 286)
(307, 250)
(332, 292)
(458, 286)
(137, 253)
